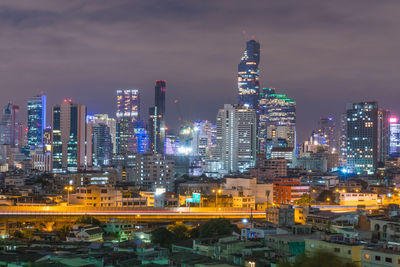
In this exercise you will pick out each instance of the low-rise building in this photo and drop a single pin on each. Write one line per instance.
(85, 233)
(282, 215)
(287, 246)
(347, 251)
(386, 229)
(358, 198)
(266, 169)
(96, 196)
(243, 202)
(380, 257)
(288, 190)
(123, 230)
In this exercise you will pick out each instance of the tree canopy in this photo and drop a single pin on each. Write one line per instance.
(216, 227)
(305, 200)
(320, 258)
(162, 237)
(86, 219)
(181, 232)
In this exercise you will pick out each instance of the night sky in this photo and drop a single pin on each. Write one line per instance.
(323, 54)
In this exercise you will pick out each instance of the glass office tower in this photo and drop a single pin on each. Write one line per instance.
(249, 75)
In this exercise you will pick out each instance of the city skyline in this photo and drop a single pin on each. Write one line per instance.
(93, 49)
(199, 133)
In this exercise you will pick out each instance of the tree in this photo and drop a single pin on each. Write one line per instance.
(86, 219)
(181, 232)
(216, 227)
(162, 237)
(64, 231)
(305, 200)
(18, 234)
(320, 258)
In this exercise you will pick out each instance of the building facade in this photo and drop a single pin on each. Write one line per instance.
(327, 129)
(112, 124)
(71, 137)
(157, 119)
(36, 108)
(236, 138)
(394, 137)
(102, 145)
(276, 121)
(249, 75)
(362, 137)
(153, 171)
(128, 111)
(8, 126)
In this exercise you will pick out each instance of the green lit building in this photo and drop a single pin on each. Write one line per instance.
(276, 121)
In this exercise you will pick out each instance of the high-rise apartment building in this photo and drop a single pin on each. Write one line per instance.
(249, 75)
(36, 108)
(383, 135)
(157, 119)
(343, 140)
(276, 121)
(112, 124)
(394, 140)
(71, 137)
(205, 137)
(8, 126)
(141, 136)
(236, 138)
(153, 171)
(102, 145)
(128, 111)
(362, 137)
(327, 129)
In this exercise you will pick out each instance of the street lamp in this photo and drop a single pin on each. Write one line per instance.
(69, 189)
(216, 191)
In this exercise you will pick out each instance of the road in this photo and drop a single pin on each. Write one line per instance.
(147, 213)
(144, 214)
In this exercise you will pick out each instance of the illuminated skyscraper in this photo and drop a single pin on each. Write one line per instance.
(36, 120)
(276, 121)
(343, 140)
(236, 138)
(111, 123)
(327, 129)
(102, 145)
(8, 126)
(71, 137)
(142, 138)
(362, 137)
(249, 75)
(128, 110)
(205, 137)
(383, 135)
(394, 139)
(157, 119)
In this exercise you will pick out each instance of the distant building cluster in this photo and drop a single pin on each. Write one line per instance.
(260, 126)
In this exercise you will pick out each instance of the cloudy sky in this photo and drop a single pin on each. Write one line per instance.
(323, 54)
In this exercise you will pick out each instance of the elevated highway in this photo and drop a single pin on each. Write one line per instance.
(149, 214)
(70, 213)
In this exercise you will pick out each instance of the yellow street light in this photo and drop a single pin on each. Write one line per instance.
(68, 189)
(328, 199)
(216, 191)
